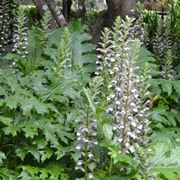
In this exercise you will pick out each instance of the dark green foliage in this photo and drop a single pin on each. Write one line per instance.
(165, 88)
(37, 108)
(47, 96)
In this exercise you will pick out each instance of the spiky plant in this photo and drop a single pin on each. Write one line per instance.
(5, 24)
(45, 23)
(86, 141)
(162, 40)
(20, 38)
(64, 53)
(126, 90)
(167, 67)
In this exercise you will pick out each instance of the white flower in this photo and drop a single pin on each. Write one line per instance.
(79, 163)
(132, 104)
(118, 102)
(95, 142)
(118, 89)
(133, 123)
(135, 110)
(78, 133)
(131, 149)
(109, 109)
(96, 73)
(111, 72)
(140, 127)
(90, 176)
(85, 140)
(110, 86)
(79, 146)
(127, 145)
(127, 48)
(90, 155)
(80, 138)
(119, 139)
(112, 59)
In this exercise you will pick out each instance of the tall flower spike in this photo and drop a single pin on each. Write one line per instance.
(125, 99)
(138, 30)
(167, 67)
(104, 52)
(87, 131)
(86, 140)
(114, 45)
(5, 26)
(45, 23)
(64, 52)
(162, 40)
(20, 36)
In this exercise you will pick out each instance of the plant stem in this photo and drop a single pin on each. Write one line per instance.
(110, 166)
(86, 146)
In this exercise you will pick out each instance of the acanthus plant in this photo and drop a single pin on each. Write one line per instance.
(162, 41)
(87, 131)
(46, 118)
(20, 38)
(126, 90)
(167, 66)
(86, 142)
(5, 24)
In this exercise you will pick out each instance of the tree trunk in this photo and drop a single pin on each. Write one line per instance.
(57, 16)
(67, 9)
(106, 18)
(40, 4)
(81, 9)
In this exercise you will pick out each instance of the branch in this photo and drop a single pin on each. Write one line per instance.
(57, 14)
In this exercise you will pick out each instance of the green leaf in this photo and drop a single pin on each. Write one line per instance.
(21, 152)
(108, 131)
(41, 143)
(122, 158)
(2, 91)
(51, 52)
(34, 48)
(46, 154)
(35, 152)
(166, 86)
(2, 157)
(11, 129)
(166, 135)
(30, 130)
(44, 174)
(38, 81)
(171, 172)
(12, 101)
(27, 105)
(176, 85)
(41, 108)
(61, 151)
(13, 83)
(6, 120)
(49, 132)
(71, 93)
(76, 155)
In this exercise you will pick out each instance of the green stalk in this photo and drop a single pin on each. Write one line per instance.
(86, 146)
(126, 104)
(110, 166)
